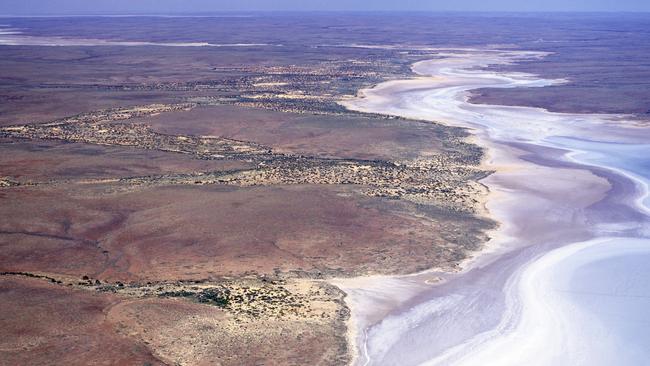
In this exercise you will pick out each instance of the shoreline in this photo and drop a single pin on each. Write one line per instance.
(417, 285)
(587, 186)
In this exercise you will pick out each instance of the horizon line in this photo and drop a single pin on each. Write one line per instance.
(251, 13)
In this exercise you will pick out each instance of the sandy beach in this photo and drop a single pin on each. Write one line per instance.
(567, 206)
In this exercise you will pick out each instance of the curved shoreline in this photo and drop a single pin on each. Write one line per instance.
(520, 154)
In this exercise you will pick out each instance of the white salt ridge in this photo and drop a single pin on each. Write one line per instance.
(545, 325)
(13, 37)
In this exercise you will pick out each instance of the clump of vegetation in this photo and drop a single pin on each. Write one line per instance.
(181, 293)
(32, 275)
(211, 296)
(214, 296)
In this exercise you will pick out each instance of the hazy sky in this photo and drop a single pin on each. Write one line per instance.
(44, 7)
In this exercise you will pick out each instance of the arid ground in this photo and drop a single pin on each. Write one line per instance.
(179, 204)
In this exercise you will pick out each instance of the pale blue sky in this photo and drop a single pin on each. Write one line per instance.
(45, 7)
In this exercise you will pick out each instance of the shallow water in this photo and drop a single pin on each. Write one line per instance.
(568, 282)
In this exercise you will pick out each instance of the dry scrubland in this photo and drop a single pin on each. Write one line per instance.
(190, 217)
(183, 205)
